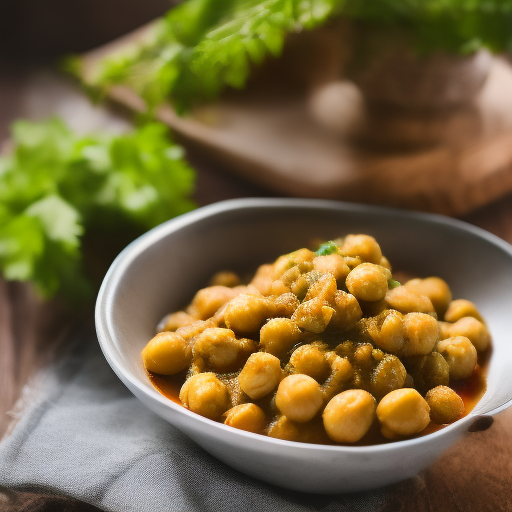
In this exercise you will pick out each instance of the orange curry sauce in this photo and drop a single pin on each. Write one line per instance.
(471, 391)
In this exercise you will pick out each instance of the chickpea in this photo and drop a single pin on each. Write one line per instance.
(444, 330)
(378, 355)
(421, 334)
(363, 355)
(219, 349)
(368, 282)
(306, 266)
(301, 286)
(403, 412)
(349, 415)
(310, 432)
(285, 305)
(360, 380)
(445, 405)
(167, 353)
(428, 371)
(247, 290)
(176, 320)
(247, 417)
(460, 354)
(436, 289)
(218, 318)
(313, 315)
(346, 349)
(310, 360)
(389, 375)
(206, 395)
(324, 289)
(333, 264)
(347, 311)
(390, 337)
(284, 429)
(384, 262)
(207, 301)
(291, 275)
(260, 375)
(473, 329)
(299, 397)
(279, 335)
(225, 278)
(283, 263)
(460, 308)
(373, 309)
(246, 313)
(352, 261)
(405, 301)
(263, 279)
(364, 246)
(313, 432)
(342, 373)
(278, 287)
(188, 332)
(436, 371)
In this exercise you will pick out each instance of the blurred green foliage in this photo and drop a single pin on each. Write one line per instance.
(454, 26)
(56, 188)
(203, 46)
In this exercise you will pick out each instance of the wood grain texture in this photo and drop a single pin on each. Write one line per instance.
(271, 137)
(30, 333)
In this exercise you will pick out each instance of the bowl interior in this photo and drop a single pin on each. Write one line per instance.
(161, 271)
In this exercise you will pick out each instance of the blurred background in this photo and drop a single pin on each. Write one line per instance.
(39, 32)
(390, 104)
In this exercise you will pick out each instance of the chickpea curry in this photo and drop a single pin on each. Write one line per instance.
(324, 347)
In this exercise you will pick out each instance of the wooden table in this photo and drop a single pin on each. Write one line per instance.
(478, 479)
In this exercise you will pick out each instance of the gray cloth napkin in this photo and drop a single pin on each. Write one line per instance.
(87, 437)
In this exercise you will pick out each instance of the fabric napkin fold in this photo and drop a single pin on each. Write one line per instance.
(86, 436)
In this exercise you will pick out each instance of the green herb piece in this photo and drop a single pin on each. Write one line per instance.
(327, 248)
(392, 283)
(57, 188)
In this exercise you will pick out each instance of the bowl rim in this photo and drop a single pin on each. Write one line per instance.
(106, 332)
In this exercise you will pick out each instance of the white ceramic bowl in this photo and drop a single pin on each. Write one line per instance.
(160, 272)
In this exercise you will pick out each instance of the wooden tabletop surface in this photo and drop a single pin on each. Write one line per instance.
(30, 331)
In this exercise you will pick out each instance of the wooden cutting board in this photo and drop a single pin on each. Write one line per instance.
(272, 138)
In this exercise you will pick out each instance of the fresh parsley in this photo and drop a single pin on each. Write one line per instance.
(327, 248)
(393, 283)
(203, 46)
(453, 26)
(57, 188)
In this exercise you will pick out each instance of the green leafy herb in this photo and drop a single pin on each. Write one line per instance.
(455, 26)
(203, 46)
(57, 188)
(327, 248)
(392, 283)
